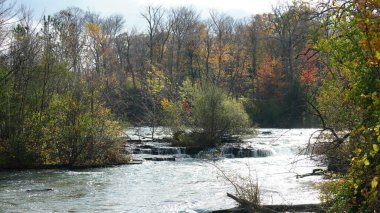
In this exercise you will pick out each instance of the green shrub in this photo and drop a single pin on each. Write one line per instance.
(77, 135)
(208, 112)
(216, 114)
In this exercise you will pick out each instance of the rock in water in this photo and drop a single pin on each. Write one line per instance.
(39, 190)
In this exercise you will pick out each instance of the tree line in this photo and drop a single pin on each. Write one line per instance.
(77, 63)
(70, 80)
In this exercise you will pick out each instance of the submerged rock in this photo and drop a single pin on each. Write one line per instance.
(161, 159)
(193, 151)
(266, 132)
(39, 190)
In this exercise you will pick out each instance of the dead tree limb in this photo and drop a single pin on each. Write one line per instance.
(278, 208)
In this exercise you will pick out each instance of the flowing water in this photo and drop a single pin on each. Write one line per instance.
(184, 185)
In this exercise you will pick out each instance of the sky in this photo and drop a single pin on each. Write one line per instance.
(131, 9)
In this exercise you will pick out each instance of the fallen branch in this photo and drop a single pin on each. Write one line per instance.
(277, 208)
(250, 206)
(314, 173)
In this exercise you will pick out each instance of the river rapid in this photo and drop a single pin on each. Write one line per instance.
(184, 185)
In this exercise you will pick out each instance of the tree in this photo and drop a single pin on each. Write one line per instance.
(270, 92)
(154, 17)
(293, 25)
(184, 24)
(151, 98)
(71, 27)
(6, 14)
(222, 26)
(351, 49)
(270, 78)
(51, 113)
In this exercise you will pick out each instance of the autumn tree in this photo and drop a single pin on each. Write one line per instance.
(350, 48)
(222, 27)
(293, 26)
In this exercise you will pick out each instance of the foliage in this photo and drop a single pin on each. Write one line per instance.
(335, 105)
(174, 116)
(358, 190)
(270, 78)
(309, 72)
(47, 120)
(216, 114)
(90, 60)
(266, 109)
(209, 111)
(67, 132)
(267, 113)
(78, 136)
(352, 49)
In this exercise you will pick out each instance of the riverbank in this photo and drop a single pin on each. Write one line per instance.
(72, 167)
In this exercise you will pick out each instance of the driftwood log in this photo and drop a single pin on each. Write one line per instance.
(249, 207)
(315, 172)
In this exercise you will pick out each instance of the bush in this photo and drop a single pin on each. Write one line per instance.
(66, 126)
(208, 112)
(217, 115)
(76, 135)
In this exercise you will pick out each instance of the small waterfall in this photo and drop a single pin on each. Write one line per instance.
(145, 151)
(211, 153)
(155, 149)
(169, 150)
(264, 152)
(229, 151)
(182, 150)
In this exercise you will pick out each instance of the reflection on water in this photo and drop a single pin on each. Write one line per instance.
(186, 184)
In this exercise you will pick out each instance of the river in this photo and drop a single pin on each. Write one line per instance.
(184, 185)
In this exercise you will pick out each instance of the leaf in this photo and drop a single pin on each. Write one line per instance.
(366, 162)
(378, 55)
(375, 148)
(374, 182)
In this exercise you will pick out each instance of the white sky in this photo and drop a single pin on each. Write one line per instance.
(131, 9)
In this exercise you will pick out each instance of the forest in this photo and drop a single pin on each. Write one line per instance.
(71, 81)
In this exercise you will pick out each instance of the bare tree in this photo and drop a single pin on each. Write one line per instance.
(184, 22)
(71, 27)
(7, 13)
(154, 16)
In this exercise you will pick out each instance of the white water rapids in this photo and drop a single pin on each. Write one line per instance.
(184, 185)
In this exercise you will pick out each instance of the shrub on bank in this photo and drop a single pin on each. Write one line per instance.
(204, 115)
(70, 132)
